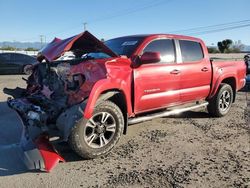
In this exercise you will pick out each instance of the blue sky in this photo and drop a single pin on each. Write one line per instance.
(27, 19)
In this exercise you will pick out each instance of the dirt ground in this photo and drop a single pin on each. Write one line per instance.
(236, 56)
(189, 150)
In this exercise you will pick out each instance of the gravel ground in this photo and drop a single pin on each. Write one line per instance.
(189, 150)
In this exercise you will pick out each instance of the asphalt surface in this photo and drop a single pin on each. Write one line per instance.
(189, 150)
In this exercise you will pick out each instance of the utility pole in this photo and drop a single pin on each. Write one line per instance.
(41, 40)
(85, 26)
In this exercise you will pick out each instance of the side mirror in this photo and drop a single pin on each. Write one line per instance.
(150, 57)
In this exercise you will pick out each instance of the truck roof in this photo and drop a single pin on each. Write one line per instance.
(163, 35)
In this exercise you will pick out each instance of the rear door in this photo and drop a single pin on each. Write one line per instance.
(156, 85)
(21, 60)
(6, 64)
(195, 73)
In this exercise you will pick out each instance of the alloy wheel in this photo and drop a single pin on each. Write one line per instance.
(99, 130)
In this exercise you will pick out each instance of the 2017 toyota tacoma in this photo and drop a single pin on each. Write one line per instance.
(90, 100)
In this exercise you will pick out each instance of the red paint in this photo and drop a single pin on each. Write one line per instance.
(84, 40)
(48, 152)
(93, 70)
(119, 77)
(190, 84)
(152, 86)
(146, 87)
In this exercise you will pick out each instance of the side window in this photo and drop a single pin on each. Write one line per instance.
(191, 51)
(5, 57)
(19, 57)
(165, 47)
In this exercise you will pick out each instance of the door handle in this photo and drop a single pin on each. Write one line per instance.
(204, 69)
(175, 71)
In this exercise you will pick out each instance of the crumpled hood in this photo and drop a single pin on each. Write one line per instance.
(84, 41)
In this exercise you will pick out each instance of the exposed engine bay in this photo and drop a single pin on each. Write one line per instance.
(56, 94)
(53, 88)
(52, 103)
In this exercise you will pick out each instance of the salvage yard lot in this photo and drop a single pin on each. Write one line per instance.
(189, 150)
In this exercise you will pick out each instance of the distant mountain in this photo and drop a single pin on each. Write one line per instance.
(22, 45)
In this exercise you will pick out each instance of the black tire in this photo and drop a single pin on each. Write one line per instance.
(215, 104)
(78, 138)
(26, 69)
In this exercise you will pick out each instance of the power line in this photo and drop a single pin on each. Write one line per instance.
(124, 12)
(214, 28)
(221, 29)
(211, 26)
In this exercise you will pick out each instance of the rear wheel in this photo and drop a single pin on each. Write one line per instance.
(98, 135)
(221, 103)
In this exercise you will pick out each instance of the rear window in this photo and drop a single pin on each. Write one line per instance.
(191, 51)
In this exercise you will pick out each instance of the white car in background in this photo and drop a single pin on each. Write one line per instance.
(66, 56)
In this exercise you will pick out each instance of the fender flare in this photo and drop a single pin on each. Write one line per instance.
(219, 81)
(100, 87)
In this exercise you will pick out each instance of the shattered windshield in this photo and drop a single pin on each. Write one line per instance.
(71, 55)
(124, 45)
(121, 46)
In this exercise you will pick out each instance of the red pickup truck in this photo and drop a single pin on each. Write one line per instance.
(90, 100)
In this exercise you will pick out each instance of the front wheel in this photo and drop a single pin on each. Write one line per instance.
(27, 69)
(98, 135)
(221, 103)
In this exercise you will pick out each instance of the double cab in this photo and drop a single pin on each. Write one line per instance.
(90, 100)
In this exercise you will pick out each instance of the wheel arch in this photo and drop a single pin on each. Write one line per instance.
(118, 97)
(105, 90)
(227, 79)
(232, 82)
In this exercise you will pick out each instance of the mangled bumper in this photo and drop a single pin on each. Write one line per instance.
(35, 149)
(40, 154)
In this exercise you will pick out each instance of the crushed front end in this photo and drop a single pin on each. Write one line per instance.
(55, 97)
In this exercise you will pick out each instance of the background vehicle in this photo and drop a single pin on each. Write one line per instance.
(248, 80)
(90, 102)
(66, 56)
(15, 63)
(247, 61)
(247, 57)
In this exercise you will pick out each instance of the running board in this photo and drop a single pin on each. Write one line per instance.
(164, 114)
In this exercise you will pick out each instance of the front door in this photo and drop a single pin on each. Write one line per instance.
(156, 85)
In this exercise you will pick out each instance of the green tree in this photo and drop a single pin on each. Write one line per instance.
(9, 48)
(224, 45)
